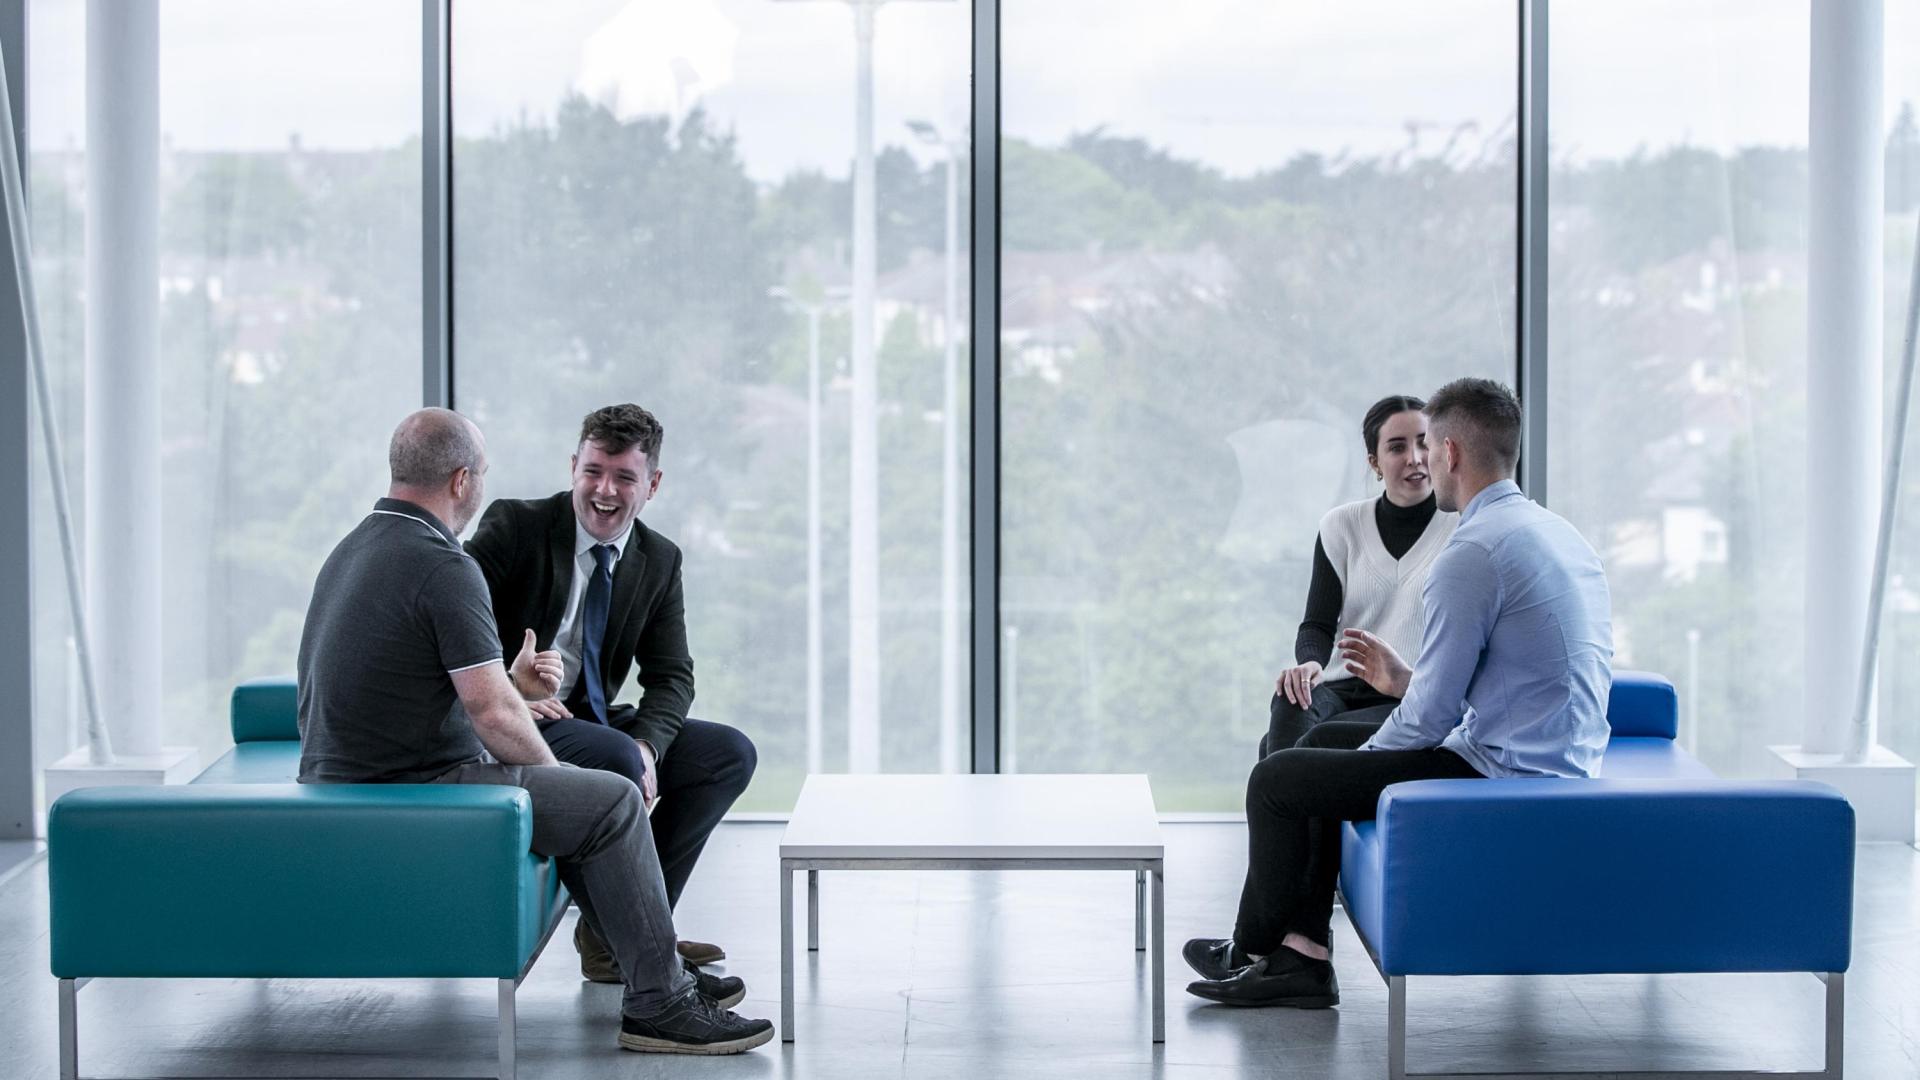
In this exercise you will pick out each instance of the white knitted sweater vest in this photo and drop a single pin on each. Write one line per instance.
(1379, 594)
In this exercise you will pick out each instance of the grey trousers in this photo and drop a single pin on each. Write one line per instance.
(594, 824)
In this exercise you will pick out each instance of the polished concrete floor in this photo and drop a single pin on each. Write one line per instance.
(1014, 974)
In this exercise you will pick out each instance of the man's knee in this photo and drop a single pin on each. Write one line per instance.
(593, 810)
(603, 748)
(622, 756)
(745, 758)
(722, 756)
(1276, 774)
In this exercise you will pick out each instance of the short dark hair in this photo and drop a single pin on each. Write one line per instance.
(618, 428)
(1384, 410)
(1483, 416)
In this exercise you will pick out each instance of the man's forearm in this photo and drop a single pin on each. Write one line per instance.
(509, 734)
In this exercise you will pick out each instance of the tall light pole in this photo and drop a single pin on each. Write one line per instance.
(815, 672)
(949, 461)
(815, 665)
(863, 503)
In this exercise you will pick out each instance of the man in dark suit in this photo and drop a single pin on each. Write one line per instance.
(578, 574)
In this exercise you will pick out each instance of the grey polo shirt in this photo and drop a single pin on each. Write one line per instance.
(397, 609)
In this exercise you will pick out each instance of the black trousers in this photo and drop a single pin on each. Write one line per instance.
(705, 770)
(1296, 800)
(1345, 699)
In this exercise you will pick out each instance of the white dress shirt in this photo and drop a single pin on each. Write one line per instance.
(568, 638)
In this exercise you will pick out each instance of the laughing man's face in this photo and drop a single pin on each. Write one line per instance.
(609, 490)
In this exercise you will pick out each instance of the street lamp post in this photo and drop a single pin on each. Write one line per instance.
(814, 666)
(815, 637)
(863, 503)
(949, 462)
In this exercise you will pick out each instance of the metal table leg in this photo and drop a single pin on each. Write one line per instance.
(1140, 910)
(813, 911)
(786, 950)
(1159, 951)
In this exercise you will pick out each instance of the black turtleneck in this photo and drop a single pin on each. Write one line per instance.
(1400, 528)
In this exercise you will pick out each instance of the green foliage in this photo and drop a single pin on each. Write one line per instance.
(238, 206)
(1158, 313)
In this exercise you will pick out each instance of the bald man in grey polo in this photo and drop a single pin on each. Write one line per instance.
(397, 608)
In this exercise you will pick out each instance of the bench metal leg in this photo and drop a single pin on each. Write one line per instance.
(1159, 956)
(507, 1026)
(1397, 1027)
(69, 1032)
(70, 1038)
(1836, 1023)
(1835, 1032)
(813, 911)
(1140, 910)
(786, 951)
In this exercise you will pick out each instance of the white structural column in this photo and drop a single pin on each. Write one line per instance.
(123, 366)
(1844, 361)
(863, 510)
(1844, 447)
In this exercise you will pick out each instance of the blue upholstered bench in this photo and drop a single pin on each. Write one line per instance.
(1656, 867)
(246, 874)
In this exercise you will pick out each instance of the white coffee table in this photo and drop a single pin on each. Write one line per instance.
(1028, 822)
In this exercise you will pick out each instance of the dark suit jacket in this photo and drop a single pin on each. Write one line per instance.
(525, 548)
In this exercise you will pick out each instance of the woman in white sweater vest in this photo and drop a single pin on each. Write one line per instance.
(1369, 566)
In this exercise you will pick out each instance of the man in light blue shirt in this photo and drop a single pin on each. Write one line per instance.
(1516, 659)
(1512, 680)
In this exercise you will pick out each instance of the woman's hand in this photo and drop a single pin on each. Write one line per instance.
(1296, 683)
(1375, 662)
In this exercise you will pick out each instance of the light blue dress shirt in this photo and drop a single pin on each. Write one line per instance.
(1517, 656)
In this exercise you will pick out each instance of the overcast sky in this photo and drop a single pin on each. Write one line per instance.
(1242, 84)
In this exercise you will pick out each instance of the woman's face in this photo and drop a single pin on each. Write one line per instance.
(1402, 458)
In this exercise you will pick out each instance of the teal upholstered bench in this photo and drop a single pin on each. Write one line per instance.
(246, 874)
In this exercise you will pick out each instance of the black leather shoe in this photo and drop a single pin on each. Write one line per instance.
(691, 1024)
(725, 991)
(1215, 958)
(1284, 979)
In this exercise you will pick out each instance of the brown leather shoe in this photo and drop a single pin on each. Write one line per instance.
(596, 963)
(699, 952)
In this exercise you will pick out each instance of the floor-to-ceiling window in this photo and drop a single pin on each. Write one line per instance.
(1899, 706)
(55, 176)
(1222, 235)
(1228, 229)
(289, 319)
(656, 203)
(1677, 324)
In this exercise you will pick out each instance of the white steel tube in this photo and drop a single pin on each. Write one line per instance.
(99, 743)
(950, 486)
(863, 511)
(1860, 735)
(815, 674)
(1844, 366)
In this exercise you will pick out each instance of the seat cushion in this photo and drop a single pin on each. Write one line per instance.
(255, 763)
(1650, 758)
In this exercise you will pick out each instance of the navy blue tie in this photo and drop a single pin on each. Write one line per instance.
(593, 630)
